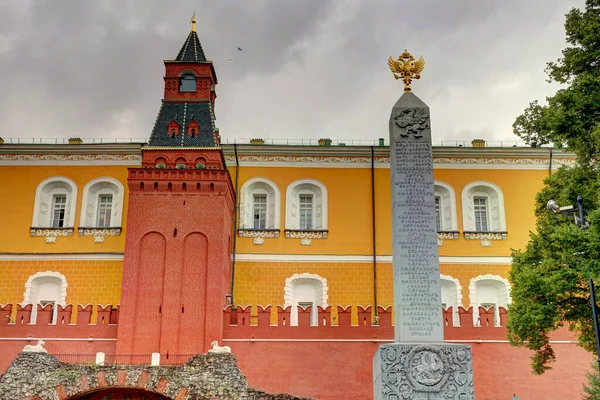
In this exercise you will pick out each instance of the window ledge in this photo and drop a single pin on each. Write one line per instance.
(258, 235)
(447, 235)
(485, 238)
(50, 233)
(306, 236)
(99, 233)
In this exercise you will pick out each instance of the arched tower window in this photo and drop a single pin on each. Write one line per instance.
(306, 205)
(187, 82)
(55, 200)
(302, 290)
(259, 204)
(102, 203)
(45, 288)
(489, 291)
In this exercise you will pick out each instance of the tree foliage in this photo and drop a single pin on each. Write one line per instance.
(550, 275)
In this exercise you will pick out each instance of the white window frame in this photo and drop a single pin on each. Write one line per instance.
(290, 299)
(292, 199)
(31, 292)
(504, 297)
(259, 185)
(455, 298)
(495, 206)
(448, 215)
(258, 194)
(43, 211)
(92, 191)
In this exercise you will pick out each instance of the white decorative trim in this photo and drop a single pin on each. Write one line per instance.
(55, 256)
(289, 234)
(473, 295)
(289, 296)
(485, 237)
(271, 190)
(92, 189)
(306, 242)
(259, 240)
(42, 214)
(51, 233)
(446, 235)
(70, 159)
(320, 204)
(99, 233)
(28, 295)
(360, 259)
(459, 298)
(258, 233)
(495, 206)
(384, 162)
(449, 221)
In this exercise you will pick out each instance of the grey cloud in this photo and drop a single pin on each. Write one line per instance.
(308, 69)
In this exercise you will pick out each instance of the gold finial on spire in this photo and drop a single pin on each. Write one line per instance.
(193, 21)
(407, 68)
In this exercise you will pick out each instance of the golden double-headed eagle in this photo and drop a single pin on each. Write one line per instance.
(407, 68)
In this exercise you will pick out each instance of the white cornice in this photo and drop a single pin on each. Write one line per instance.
(260, 257)
(361, 258)
(61, 256)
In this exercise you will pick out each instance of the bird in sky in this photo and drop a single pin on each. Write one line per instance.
(240, 49)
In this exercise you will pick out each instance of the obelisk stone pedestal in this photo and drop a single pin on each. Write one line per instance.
(419, 365)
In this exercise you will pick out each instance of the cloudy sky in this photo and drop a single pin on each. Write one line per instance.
(308, 69)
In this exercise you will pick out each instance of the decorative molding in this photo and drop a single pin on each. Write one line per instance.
(289, 293)
(259, 240)
(473, 296)
(300, 234)
(448, 235)
(63, 256)
(99, 233)
(305, 242)
(62, 300)
(384, 162)
(259, 233)
(51, 233)
(485, 237)
(491, 260)
(459, 298)
(70, 159)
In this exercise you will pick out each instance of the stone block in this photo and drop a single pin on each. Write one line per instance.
(403, 371)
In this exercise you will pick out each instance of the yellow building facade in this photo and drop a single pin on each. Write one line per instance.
(313, 223)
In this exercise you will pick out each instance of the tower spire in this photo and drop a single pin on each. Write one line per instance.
(193, 21)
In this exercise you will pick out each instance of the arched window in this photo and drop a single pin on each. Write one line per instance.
(306, 205)
(489, 291)
(445, 207)
(45, 288)
(259, 204)
(55, 200)
(451, 296)
(187, 82)
(302, 290)
(102, 203)
(483, 208)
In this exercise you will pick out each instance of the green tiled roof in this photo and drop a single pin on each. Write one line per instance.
(183, 113)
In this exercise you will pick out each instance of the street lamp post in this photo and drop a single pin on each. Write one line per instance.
(582, 224)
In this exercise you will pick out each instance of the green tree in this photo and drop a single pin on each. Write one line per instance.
(550, 276)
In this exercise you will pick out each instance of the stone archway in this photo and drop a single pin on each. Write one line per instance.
(120, 394)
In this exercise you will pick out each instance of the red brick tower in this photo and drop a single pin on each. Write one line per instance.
(176, 271)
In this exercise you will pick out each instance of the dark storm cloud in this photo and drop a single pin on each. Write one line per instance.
(312, 68)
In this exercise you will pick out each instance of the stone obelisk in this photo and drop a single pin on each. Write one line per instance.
(419, 365)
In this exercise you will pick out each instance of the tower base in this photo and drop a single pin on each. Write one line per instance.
(419, 371)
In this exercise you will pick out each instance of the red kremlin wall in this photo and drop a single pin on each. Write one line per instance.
(325, 362)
